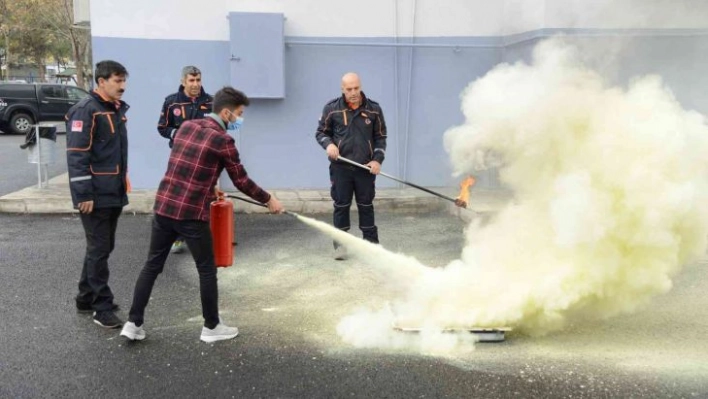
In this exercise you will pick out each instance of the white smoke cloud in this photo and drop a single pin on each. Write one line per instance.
(610, 201)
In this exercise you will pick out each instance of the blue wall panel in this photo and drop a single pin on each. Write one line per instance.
(154, 67)
(257, 65)
(277, 140)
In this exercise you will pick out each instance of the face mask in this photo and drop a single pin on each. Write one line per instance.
(235, 125)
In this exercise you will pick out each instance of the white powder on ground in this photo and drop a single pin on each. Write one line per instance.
(611, 196)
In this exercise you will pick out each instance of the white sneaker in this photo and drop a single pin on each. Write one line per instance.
(218, 333)
(177, 247)
(133, 332)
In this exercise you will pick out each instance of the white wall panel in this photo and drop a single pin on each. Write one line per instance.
(458, 17)
(160, 19)
(187, 20)
(627, 14)
(522, 16)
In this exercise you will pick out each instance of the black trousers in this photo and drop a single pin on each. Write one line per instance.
(348, 181)
(100, 229)
(197, 235)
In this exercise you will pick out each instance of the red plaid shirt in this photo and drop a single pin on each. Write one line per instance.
(202, 149)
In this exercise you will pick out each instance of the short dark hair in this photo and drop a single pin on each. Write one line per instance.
(229, 97)
(107, 68)
(190, 70)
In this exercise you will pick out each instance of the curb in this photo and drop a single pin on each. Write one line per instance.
(55, 199)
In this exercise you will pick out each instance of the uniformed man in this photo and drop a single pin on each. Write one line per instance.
(353, 126)
(189, 102)
(97, 160)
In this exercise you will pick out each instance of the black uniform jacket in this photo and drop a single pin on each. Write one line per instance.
(178, 107)
(97, 152)
(360, 134)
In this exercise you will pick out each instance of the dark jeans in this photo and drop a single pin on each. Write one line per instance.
(348, 181)
(100, 228)
(197, 235)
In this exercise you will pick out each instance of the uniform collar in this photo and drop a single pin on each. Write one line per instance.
(361, 106)
(184, 97)
(120, 104)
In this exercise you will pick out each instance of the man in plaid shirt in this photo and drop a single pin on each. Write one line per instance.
(189, 102)
(202, 149)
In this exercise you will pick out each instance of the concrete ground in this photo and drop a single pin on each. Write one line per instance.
(16, 172)
(286, 295)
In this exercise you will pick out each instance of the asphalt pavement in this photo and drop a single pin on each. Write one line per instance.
(286, 295)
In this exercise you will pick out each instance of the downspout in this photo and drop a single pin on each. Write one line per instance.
(395, 86)
(408, 96)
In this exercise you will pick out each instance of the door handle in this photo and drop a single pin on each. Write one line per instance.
(45, 102)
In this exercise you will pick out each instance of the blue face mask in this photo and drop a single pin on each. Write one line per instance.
(235, 125)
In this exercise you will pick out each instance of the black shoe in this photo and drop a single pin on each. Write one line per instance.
(107, 319)
(83, 307)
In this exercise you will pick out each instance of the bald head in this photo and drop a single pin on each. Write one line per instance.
(351, 88)
(350, 78)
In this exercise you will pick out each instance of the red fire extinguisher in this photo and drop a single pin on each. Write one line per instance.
(222, 231)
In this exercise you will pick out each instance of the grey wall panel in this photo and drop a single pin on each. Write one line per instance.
(277, 140)
(154, 67)
(257, 65)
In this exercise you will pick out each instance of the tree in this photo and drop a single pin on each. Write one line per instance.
(25, 36)
(62, 52)
(59, 15)
(31, 35)
(36, 29)
(4, 40)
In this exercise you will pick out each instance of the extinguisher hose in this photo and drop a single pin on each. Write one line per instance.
(250, 201)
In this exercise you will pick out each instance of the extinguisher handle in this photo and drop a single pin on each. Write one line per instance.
(246, 200)
(250, 201)
(220, 195)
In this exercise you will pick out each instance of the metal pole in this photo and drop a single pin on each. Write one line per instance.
(445, 197)
(39, 156)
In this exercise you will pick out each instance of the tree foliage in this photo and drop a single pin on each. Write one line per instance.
(36, 30)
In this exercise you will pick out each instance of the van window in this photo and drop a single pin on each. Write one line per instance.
(53, 91)
(17, 90)
(75, 94)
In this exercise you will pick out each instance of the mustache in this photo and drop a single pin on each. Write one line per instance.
(121, 91)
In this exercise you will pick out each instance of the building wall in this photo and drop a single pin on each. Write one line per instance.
(418, 87)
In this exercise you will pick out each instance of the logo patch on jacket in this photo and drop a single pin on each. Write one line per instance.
(77, 126)
(367, 121)
(177, 112)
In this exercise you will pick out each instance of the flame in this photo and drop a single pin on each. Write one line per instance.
(465, 189)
